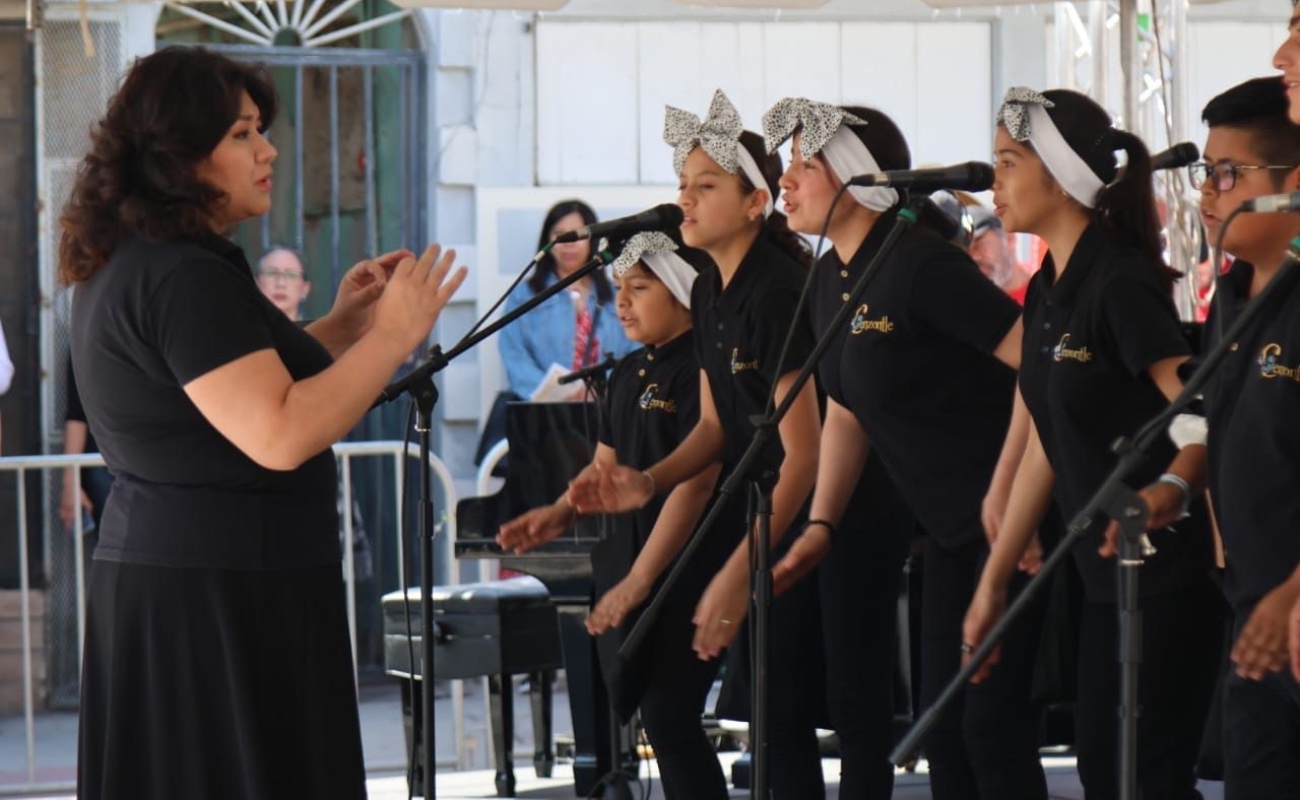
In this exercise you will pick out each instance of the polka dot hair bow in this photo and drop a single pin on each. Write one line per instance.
(820, 123)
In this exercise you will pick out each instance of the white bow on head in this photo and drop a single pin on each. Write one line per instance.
(658, 252)
(820, 122)
(719, 136)
(1024, 114)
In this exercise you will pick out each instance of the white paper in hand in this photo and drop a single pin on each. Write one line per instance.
(550, 390)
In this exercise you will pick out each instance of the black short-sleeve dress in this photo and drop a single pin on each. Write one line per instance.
(217, 661)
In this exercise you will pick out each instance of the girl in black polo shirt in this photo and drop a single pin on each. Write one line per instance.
(1102, 344)
(742, 307)
(652, 404)
(923, 376)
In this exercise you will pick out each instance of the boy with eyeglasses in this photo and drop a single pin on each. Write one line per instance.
(1253, 149)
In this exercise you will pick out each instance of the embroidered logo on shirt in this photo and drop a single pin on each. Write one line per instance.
(861, 324)
(649, 402)
(1062, 352)
(738, 365)
(1269, 366)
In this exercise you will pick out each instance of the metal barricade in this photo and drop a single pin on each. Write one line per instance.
(20, 466)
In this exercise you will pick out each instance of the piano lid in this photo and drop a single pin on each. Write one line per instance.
(550, 443)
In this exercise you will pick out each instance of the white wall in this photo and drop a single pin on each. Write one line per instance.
(1223, 54)
(602, 86)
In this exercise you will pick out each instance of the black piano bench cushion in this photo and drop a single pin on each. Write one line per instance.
(503, 627)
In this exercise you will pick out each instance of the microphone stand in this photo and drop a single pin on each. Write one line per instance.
(1114, 499)
(593, 376)
(761, 477)
(419, 384)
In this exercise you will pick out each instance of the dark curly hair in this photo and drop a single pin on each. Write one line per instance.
(174, 107)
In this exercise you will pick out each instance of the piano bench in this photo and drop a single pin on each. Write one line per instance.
(494, 629)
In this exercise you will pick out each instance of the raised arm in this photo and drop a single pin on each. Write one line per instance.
(280, 423)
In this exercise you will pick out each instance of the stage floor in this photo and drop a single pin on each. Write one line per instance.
(55, 763)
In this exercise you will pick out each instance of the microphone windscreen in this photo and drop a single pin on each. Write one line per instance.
(979, 176)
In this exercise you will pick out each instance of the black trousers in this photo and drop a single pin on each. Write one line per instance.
(860, 583)
(677, 684)
(985, 746)
(1261, 721)
(1182, 633)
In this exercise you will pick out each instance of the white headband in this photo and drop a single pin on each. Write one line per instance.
(825, 130)
(656, 250)
(755, 175)
(1024, 115)
(848, 157)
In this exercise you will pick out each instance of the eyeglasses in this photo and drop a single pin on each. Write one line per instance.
(287, 275)
(1225, 173)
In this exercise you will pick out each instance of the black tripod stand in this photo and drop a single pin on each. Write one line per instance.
(758, 470)
(1114, 500)
(419, 384)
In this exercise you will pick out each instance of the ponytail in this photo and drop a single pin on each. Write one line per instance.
(1127, 206)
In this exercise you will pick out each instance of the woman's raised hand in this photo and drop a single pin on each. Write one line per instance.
(415, 295)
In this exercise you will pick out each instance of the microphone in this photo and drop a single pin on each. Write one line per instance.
(1179, 155)
(587, 372)
(973, 176)
(660, 218)
(1273, 203)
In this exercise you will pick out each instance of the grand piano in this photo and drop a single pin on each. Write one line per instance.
(549, 444)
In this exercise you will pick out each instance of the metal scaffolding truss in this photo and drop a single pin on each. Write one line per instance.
(1128, 55)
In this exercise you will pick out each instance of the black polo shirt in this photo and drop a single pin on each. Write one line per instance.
(915, 366)
(155, 317)
(1252, 406)
(1089, 340)
(652, 404)
(739, 332)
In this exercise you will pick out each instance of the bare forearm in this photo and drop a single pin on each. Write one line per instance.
(1031, 493)
(331, 335)
(320, 410)
(1013, 448)
(843, 453)
(702, 447)
(1189, 464)
(801, 439)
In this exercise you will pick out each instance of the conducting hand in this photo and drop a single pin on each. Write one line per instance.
(617, 603)
(610, 489)
(354, 305)
(415, 295)
(535, 528)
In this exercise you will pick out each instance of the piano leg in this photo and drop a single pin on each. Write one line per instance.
(541, 693)
(501, 704)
